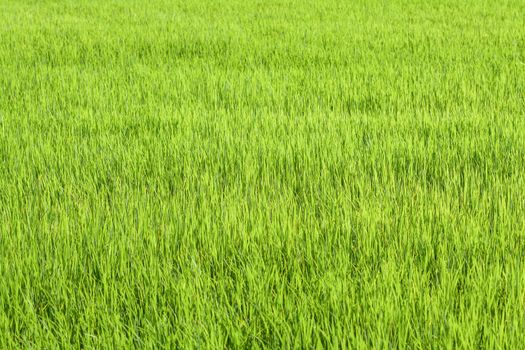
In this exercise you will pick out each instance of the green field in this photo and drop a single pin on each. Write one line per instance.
(262, 174)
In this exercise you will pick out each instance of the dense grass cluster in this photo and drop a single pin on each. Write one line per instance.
(249, 174)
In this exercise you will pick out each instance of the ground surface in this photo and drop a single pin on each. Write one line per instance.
(241, 174)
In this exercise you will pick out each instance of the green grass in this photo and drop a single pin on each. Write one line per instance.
(262, 174)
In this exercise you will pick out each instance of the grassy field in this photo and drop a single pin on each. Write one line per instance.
(262, 174)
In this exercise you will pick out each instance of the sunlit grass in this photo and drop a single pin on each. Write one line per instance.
(277, 174)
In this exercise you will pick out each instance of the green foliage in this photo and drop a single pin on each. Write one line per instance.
(262, 174)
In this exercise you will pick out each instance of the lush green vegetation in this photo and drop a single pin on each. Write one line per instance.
(246, 174)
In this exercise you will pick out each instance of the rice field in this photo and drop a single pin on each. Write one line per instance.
(262, 174)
